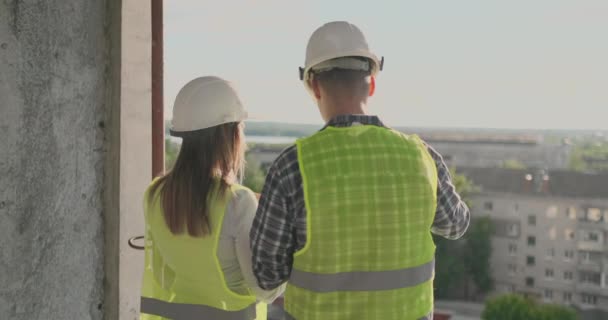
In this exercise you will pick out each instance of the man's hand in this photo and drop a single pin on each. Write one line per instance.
(257, 195)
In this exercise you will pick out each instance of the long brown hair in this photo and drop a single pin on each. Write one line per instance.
(207, 157)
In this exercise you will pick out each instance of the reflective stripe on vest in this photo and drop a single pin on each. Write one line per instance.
(290, 317)
(183, 311)
(363, 280)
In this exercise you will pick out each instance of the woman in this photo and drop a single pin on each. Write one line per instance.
(198, 260)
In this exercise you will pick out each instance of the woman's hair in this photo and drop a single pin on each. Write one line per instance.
(208, 159)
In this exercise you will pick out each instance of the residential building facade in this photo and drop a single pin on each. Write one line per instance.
(550, 233)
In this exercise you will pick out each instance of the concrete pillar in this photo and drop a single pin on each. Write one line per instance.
(132, 139)
(54, 62)
(75, 156)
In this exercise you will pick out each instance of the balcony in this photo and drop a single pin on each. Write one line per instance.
(592, 225)
(590, 246)
(586, 265)
(590, 287)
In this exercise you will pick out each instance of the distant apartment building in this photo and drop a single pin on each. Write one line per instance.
(476, 150)
(486, 151)
(550, 233)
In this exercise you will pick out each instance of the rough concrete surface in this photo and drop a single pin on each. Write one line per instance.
(135, 147)
(53, 59)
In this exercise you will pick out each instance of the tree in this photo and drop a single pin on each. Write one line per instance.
(466, 261)
(555, 312)
(171, 152)
(254, 176)
(449, 267)
(513, 164)
(515, 307)
(508, 307)
(463, 185)
(477, 253)
(590, 157)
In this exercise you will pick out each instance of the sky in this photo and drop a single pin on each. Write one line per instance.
(519, 64)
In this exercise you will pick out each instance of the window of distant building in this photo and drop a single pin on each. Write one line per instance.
(591, 236)
(512, 249)
(568, 275)
(553, 233)
(550, 253)
(530, 261)
(571, 213)
(531, 241)
(549, 273)
(594, 214)
(513, 230)
(532, 220)
(552, 212)
(588, 299)
(567, 297)
(548, 294)
(488, 205)
(512, 269)
(529, 282)
(568, 254)
(585, 256)
(569, 234)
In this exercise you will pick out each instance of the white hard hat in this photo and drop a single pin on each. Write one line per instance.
(206, 102)
(339, 39)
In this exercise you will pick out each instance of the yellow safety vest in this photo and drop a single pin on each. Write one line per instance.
(370, 195)
(183, 278)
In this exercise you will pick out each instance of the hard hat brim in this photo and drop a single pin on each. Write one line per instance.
(377, 65)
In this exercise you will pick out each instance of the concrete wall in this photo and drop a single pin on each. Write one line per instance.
(54, 68)
(135, 147)
(75, 146)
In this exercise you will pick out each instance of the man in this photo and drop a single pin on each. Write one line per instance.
(346, 214)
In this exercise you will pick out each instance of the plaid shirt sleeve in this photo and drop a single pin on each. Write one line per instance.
(452, 216)
(273, 232)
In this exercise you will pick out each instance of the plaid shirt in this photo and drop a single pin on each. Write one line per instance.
(279, 227)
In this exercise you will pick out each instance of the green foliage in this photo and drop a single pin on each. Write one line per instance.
(508, 307)
(464, 186)
(477, 253)
(449, 267)
(515, 307)
(254, 176)
(513, 164)
(590, 156)
(555, 312)
(171, 152)
(466, 260)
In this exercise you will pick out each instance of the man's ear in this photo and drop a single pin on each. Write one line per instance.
(314, 86)
(372, 86)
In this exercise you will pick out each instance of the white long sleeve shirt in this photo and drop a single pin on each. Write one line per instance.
(234, 251)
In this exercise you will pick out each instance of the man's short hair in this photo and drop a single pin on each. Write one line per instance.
(344, 80)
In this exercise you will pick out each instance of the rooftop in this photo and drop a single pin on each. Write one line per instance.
(560, 183)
